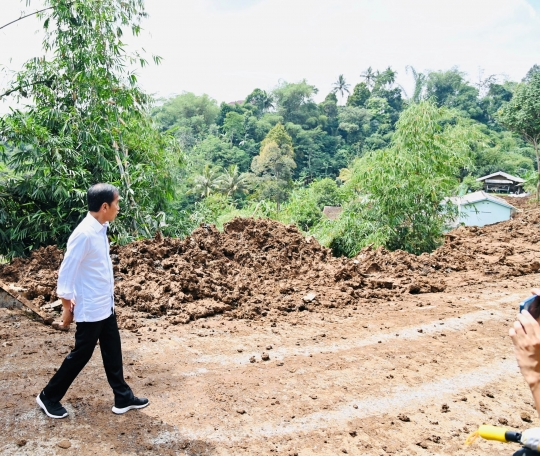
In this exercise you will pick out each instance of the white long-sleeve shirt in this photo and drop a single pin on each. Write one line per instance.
(86, 273)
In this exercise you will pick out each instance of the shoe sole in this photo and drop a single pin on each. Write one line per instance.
(42, 405)
(120, 411)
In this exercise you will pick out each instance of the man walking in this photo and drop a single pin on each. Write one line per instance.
(86, 287)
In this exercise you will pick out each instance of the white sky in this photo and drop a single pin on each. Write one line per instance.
(226, 48)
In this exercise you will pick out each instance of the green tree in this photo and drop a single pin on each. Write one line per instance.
(360, 96)
(497, 95)
(522, 115)
(295, 101)
(450, 89)
(274, 164)
(355, 123)
(314, 152)
(387, 78)
(405, 183)
(85, 121)
(329, 109)
(219, 153)
(187, 109)
(279, 135)
(532, 71)
(305, 205)
(234, 126)
(206, 182)
(261, 100)
(232, 182)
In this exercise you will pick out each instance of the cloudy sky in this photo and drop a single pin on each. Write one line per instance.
(226, 48)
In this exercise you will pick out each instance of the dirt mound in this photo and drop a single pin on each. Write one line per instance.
(504, 250)
(264, 268)
(254, 266)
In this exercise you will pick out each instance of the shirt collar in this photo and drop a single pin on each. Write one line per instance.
(95, 224)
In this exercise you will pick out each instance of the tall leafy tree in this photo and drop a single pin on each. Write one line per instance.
(532, 71)
(187, 110)
(275, 164)
(450, 89)
(405, 183)
(386, 78)
(262, 100)
(522, 115)
(360, 96)
(295, 101)
(85, 121)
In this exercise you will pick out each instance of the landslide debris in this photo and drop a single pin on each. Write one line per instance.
(260, 267)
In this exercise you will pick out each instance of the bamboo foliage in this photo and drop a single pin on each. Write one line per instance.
(85, 121)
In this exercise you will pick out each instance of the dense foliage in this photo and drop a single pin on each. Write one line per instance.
(388, 158)
(403, 186)
(522, 113)
(85, 121)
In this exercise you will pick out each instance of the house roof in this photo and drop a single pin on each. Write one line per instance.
(476, 197)
(500, 173)
(499, 181)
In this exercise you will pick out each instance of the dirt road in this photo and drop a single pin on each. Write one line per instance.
(414, 374)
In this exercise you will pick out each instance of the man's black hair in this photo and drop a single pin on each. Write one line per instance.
(100, 193)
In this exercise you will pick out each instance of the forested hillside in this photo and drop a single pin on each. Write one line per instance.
(387, 157)
(231, 169)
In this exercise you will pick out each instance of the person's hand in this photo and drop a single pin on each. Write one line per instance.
(536, 291)
(67, 311)
(525, 334)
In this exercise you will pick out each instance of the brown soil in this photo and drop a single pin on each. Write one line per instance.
(298, 352)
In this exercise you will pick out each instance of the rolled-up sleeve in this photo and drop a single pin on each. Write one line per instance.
(75, 252)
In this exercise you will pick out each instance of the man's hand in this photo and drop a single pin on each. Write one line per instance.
(525, 334)
(67, 311)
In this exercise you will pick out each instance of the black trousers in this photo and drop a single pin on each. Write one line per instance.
(86, 337)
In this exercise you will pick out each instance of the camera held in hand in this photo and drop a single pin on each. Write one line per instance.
(532, 305)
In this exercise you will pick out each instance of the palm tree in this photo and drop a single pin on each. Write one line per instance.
(267, 101)
(369, 76)
(341, 86)
(231, 181)
(206, 182)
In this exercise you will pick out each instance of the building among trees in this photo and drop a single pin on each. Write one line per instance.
(479, 209)
(501, 182)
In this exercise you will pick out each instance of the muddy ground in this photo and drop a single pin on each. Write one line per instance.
(257, 341)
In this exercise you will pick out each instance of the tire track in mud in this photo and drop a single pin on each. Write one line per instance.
(186, 392)
(401, 399)
(472, 371)
(411, 333)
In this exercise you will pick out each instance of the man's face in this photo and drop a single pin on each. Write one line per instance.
(111, 210)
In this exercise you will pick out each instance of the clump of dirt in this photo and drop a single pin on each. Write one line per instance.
(259, 267)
